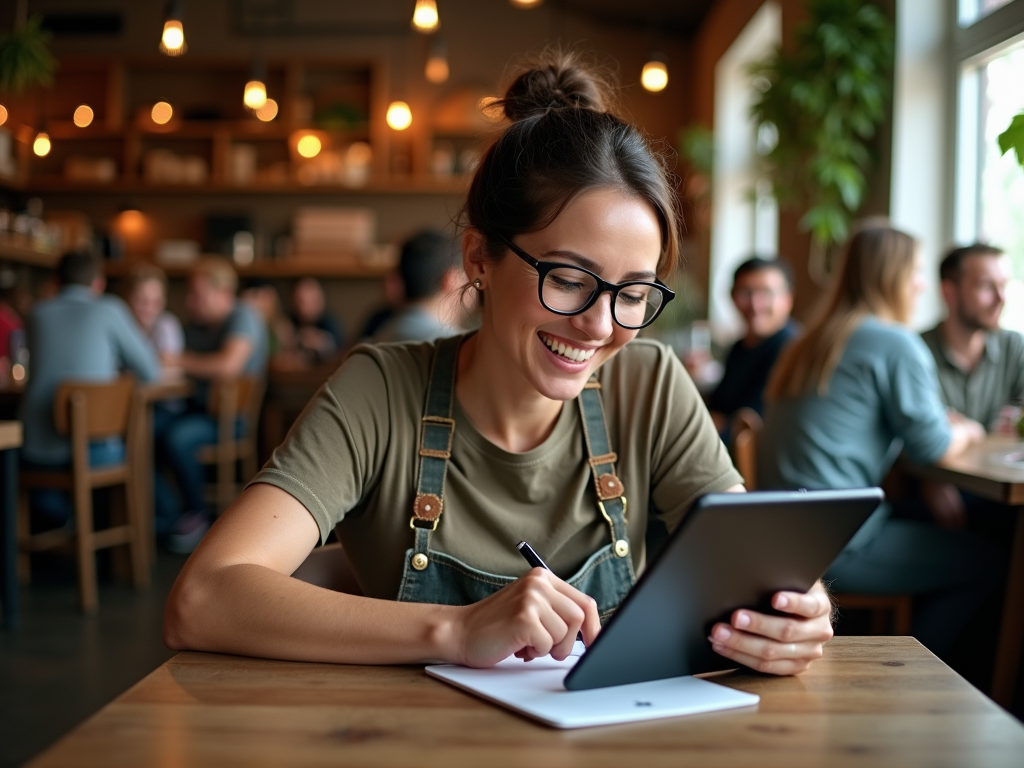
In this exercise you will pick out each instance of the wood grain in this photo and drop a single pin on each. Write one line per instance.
(870, 702)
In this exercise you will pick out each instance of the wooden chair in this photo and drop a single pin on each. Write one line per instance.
(888, 612)
(89, 411)
(228, 401)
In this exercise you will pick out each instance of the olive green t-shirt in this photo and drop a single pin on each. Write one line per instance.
(351, 460)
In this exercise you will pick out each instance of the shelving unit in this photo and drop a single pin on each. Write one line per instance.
(271, 269)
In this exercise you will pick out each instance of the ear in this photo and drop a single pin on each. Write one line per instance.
(475, 260)
(948, 288)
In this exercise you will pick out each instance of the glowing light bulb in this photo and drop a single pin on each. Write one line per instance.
(309, 146)
(437, 69)
(3, 114)
(424, 17)
(655, 76)
(83, 116)
(399, 115)
(268, 111)
(255, 94)
(162, 113)
(172, 42)
(526, 3)
(41, 146)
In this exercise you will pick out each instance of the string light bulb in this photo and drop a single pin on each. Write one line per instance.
(424, 16)
(526, 3)
(41, 145)
(172, 41)
(655, 74)
(268, 111)
(255, 95)
(399, 115)
(3, 114)
(308, 146)
(162, 113)
(437, 62)
(83, 116)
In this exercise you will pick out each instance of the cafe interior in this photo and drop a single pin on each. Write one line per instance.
(206, 207)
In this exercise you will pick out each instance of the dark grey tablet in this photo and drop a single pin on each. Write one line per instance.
(733, 550)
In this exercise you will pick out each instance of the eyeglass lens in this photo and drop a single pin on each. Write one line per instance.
(568, 290)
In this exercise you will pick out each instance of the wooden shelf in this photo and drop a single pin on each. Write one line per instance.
(23, 255)
(391, 186)
(270, 268)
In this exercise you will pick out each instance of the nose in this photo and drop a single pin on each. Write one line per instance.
(597, 321)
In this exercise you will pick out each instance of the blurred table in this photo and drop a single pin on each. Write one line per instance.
(994, 470)
(872, 701)
(10, 441)
(145, 397)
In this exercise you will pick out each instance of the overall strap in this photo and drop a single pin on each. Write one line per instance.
(437, 427)
(611, 495)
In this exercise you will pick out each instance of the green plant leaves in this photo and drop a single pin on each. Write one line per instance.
(25, 60)
(827, 98)
(1013, 138)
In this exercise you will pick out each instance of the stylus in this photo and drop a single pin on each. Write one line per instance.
(530, 555)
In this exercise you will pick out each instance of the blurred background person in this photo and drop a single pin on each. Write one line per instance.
(841, 403)
(79, 335)
(318, 334)
(263, 299)
(430, 266)
(762, 290)
(147, 298)
(10, 318)
(224, 339)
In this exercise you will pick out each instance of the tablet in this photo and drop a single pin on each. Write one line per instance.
(733, 550)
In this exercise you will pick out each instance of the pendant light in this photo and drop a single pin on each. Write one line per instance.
(437, 61)
(424, 16)
(41, 144)
(399, 115)
(3, 114)
(655, 73)
(255, 96)
(172, 41)
(526, 3)
(83, 116)
(161, 113)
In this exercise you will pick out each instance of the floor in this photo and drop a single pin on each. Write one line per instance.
(58, 667)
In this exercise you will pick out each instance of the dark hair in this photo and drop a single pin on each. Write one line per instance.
(78, 268)
(425, 258)
(565, 139)
(953, 263)
(758, 263)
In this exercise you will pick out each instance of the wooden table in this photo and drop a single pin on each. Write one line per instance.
(874, 701)
(146, 395)
(994, 470)
(10, 441)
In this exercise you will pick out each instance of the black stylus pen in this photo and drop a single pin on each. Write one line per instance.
(530, 555)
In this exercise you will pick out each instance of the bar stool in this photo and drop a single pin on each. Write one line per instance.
(89, 411)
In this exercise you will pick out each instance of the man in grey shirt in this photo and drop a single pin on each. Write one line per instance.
(980, 365)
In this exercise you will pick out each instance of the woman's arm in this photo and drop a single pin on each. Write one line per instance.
(236, 595)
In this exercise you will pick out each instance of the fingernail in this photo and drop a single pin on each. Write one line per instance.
(781, 601)
(742, 620)
(717, 648)
(722, 633)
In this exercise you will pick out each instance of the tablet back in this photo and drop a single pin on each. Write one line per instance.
(731, 551)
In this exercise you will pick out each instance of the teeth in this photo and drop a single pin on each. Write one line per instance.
(566, 351)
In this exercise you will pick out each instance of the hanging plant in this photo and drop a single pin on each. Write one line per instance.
(1013, 138)
(25, 59)
(824, 102)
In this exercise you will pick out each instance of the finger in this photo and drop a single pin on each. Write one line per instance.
(770, 667)
(811, 605)
(563, 623)
(591, 624)
(763, 647)
(782, 628)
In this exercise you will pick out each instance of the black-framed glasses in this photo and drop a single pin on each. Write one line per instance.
(566, 289)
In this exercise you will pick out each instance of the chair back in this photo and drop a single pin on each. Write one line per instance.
(242, 396)
(106, 406)
(746, 426)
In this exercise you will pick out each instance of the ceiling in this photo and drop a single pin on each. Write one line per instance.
(679, 17)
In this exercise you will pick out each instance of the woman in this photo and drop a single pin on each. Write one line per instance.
(843, 401)
(432, 460)
(147, 297)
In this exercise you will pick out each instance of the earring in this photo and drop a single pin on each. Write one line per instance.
(478, 285)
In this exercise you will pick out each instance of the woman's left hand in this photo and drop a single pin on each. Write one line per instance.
(778, 645)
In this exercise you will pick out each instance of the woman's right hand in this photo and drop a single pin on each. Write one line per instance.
(536, 615)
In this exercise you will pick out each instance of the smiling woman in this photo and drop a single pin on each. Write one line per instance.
(431, 461)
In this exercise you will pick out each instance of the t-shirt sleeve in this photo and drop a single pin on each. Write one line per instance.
(912, 405)
(689, 457)
(244, 323)
(333, 454)
(134, 350)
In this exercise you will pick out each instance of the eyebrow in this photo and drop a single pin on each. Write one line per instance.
(593, 266)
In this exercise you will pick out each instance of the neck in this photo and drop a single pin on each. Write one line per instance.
(967, 343)
(503, 406)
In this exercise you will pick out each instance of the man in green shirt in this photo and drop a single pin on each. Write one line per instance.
(981, 366)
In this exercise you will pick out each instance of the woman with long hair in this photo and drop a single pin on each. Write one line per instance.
(431, 460)
(844, 400)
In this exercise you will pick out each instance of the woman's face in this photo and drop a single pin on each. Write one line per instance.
(147, 302)
(915, 286)
(614, 235)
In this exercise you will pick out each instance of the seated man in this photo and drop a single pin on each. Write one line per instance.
(79, 335)
(431, 270)
(224, 339)
(318, 333)
(762, 291)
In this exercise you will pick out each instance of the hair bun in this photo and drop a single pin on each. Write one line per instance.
(557, 80)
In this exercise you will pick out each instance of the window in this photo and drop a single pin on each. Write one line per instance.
(972, 10)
